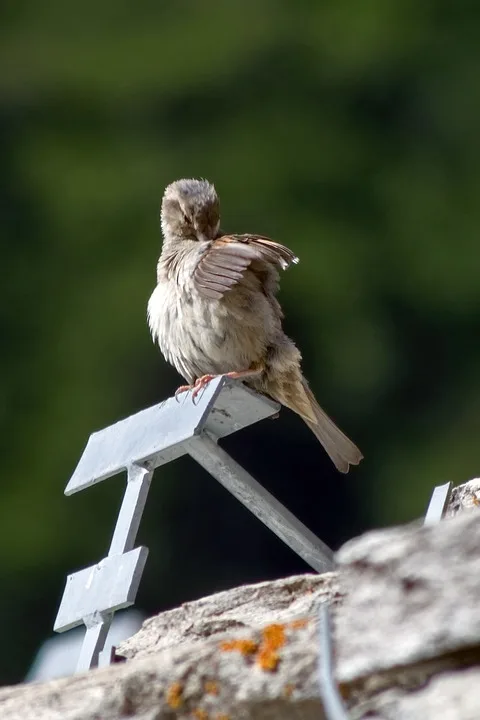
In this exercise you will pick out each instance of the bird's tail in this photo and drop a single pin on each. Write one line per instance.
(297, 395)
(342, 451)
(293, 391)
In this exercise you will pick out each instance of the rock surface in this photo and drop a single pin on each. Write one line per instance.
(244, 608)
(448, 696)
(412, 594)
(464, 498)
(195, 680)
(406, 633)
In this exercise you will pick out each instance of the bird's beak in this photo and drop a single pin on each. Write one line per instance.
(202, 237)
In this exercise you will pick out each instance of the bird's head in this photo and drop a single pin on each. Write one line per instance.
(190, 210)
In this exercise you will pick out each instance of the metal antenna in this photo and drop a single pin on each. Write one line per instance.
(141, 443)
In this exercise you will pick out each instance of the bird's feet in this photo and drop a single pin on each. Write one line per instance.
(182, 389)
(201, 382)
(198, 385)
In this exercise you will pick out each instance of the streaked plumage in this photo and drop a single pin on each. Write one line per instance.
(215, 311)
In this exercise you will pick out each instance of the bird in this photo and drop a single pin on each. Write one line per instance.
(214, 311)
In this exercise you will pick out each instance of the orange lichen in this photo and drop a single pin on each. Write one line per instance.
(222, 716)
(266, 653)
(299, 624)
(273, 636)
(174, 695)
(267, 659)
(200, 714)
(243, 646)
(211, 687)
(288, 690)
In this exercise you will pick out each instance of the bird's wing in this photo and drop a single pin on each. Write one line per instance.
(223, 264)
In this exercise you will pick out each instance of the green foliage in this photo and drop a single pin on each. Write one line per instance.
(346, 130)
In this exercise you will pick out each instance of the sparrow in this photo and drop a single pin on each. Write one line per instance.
(215, 312)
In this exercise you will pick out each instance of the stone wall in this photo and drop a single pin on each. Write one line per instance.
(406, 612)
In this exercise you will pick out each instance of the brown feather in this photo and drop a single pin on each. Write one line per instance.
(241, 334)
(227, 258)
(291, 389)
(342, 451)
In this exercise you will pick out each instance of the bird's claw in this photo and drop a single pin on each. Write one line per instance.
(198, 385)
(182, 389)
(201, 382)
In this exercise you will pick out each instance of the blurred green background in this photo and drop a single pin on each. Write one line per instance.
(346, 130)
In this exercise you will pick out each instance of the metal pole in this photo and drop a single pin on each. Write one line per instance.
(261, 503)
(93, 641)
(332, 702)
(133, 504)
(438, 504)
